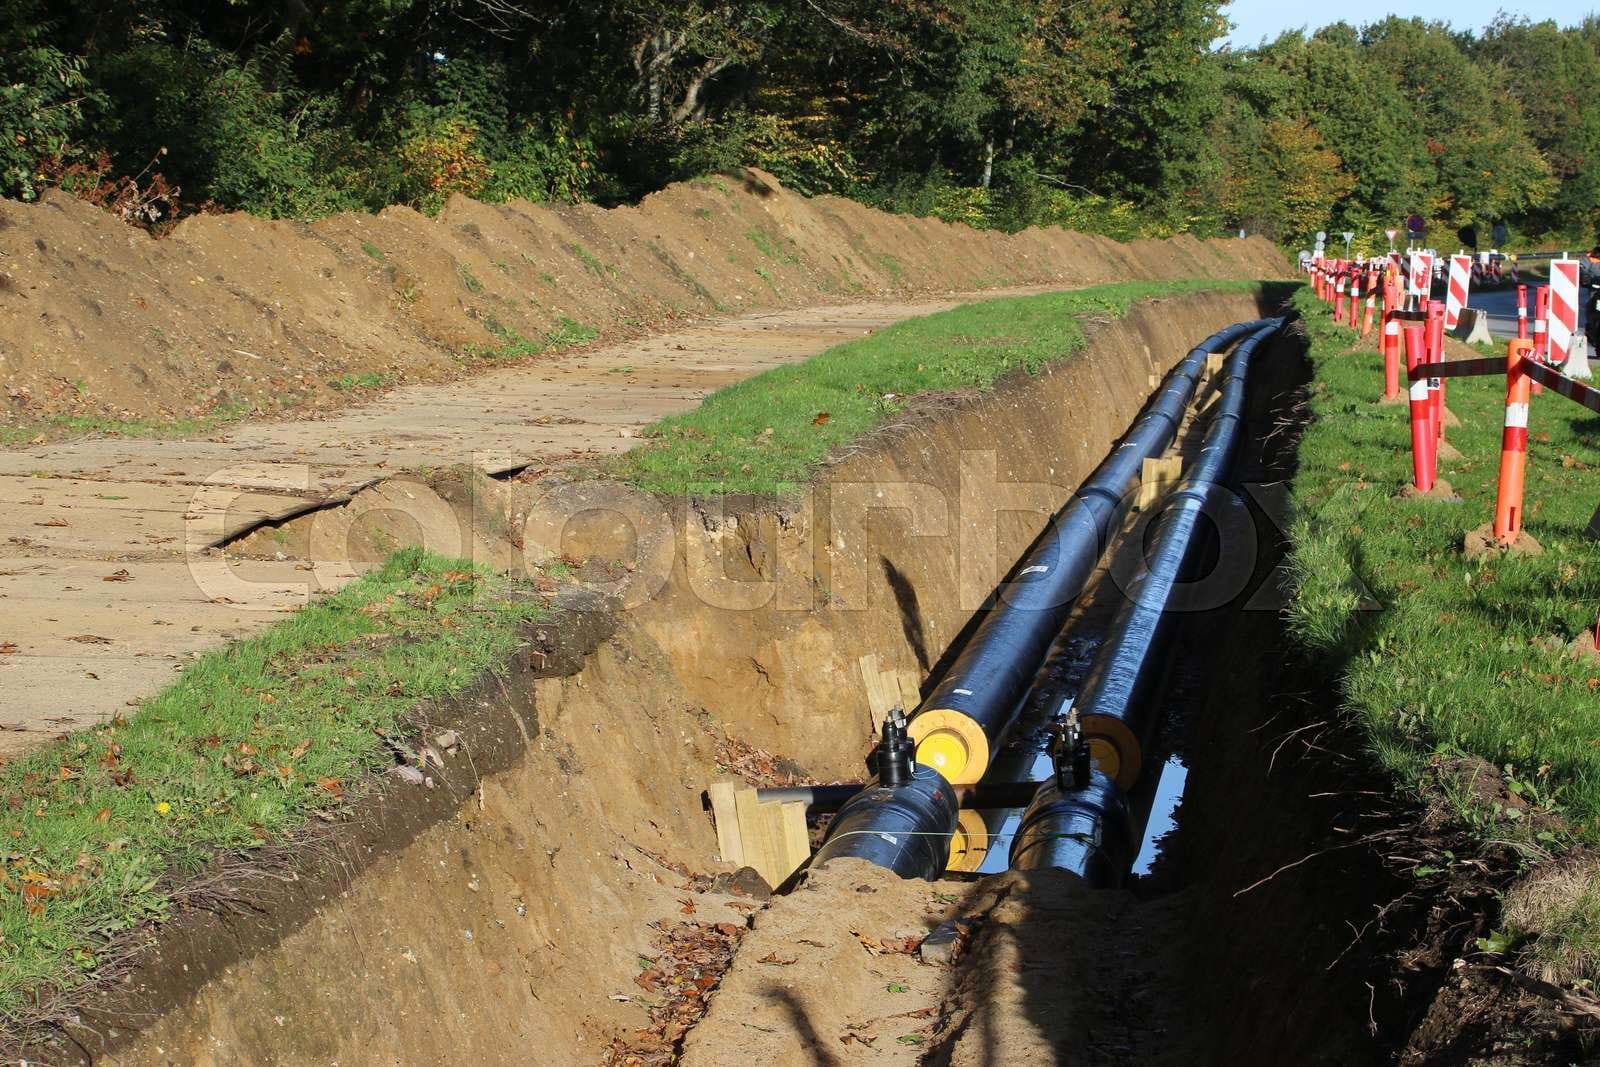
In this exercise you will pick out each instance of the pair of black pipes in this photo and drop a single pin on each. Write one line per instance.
(907, 828)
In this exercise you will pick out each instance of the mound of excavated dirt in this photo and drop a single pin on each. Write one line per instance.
(236, 312)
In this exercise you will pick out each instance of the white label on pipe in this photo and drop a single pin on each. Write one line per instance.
(1419, 389)
(1037, 568)
(1517, 415)
(963, 692)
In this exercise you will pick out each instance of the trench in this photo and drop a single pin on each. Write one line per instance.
(557, 894)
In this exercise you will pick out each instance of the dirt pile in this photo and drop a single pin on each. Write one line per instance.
(233, 313)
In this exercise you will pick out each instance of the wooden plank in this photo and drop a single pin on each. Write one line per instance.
(1156, 476)
(910, 690)
(758, 837)
(724, 813)
(792, 830)
(882, 689)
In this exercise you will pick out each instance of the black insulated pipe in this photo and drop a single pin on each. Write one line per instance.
(966, 716)
(1118, 705)
(969, 711)
(906, 828)
(1088, 830)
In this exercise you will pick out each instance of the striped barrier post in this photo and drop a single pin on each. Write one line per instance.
(1541, 327)
(1338, 294)
(1563, 324)
(1456, 290)
(1356, 273)
(1423, 445)
(1522, 312)
(1435, 351)
(1513, 444)
(1372, 302)
(1391, 338)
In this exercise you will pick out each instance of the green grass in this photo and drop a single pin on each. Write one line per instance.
(353, 383)
(58, 427)
(1460, 657)
(770, 246)
(469, 279)
(767, 434)
(564, 334)
(98, 830)
(373, 251)
(1455, 660)
(590, 261)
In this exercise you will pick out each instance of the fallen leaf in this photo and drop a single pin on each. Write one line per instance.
(332, 786)
(53, 522)
(301, 749)
(90, 639)
(822, 417)
(772, 957)
(118, 576)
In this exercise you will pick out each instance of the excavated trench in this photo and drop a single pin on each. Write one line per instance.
(553, 893)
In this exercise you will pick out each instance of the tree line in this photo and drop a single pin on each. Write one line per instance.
(1121, 117)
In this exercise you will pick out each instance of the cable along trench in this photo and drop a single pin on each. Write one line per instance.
(1030, 715)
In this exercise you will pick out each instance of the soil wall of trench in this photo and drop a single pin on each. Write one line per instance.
(500, 916)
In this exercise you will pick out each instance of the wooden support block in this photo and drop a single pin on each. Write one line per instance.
(759, 837)
(792, 830)
(882, 689)
(1156, 477)
(724, 812)
(910, 690)
(1215, 362)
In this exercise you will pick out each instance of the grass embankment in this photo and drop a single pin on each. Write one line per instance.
(98, 830)
(1462, 658)
(767, 434)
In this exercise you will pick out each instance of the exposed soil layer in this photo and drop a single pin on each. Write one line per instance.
(510, 912)
(238, 313)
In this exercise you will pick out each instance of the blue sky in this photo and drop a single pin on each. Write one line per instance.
(1255, 19)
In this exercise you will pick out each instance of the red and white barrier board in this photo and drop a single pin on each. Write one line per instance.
(1455, 297)
(1563, 308)
(1421, 273)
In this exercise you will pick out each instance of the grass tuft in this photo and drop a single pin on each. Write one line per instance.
(767, 434)
(97, 830)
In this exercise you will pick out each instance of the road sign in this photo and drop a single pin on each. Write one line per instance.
(1321, 236)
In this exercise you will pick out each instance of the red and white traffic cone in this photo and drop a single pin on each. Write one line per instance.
(1424, 458)
(1513, 444)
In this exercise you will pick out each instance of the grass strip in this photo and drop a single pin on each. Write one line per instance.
(1456, 657)
(767, 434)
(251, 742)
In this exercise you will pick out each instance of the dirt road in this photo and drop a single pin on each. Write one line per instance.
(109, 574)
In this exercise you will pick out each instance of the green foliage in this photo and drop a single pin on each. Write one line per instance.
(42, 96)
(1114, 116)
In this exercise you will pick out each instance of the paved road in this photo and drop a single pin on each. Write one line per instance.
(109, 581)
(1502, 308)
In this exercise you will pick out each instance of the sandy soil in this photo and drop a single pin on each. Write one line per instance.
(240, 313)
